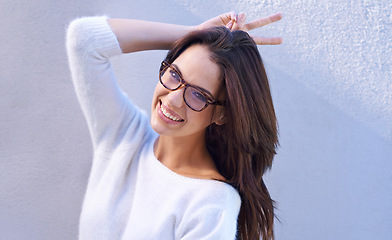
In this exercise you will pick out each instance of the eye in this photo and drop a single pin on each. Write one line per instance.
(174, 76)
(197, 95)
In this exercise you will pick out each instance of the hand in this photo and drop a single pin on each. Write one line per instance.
(235, 21)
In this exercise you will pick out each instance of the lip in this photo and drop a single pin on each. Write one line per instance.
(166, 119)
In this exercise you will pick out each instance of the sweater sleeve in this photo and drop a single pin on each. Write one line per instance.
(90, 43)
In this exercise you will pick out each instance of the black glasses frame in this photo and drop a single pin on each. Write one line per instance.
(210, 100)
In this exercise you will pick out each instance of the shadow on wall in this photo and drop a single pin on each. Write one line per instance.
(331, 171)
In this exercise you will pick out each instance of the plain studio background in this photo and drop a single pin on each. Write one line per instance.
(331, 84)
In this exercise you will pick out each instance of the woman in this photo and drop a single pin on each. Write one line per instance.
(196, 171)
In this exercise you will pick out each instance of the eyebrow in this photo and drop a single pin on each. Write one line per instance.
(204, 90)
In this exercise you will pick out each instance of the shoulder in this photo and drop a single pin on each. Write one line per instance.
(215, 196)
(212, 216)
(220, 189)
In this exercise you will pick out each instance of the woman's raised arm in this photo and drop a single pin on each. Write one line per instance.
(137, 35)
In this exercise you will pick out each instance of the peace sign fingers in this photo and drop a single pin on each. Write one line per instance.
(263, 21)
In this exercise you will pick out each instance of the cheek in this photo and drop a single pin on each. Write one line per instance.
(202, 119)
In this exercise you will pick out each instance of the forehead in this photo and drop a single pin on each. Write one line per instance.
(197, 68)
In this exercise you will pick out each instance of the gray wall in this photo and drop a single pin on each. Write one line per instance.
(331, 83)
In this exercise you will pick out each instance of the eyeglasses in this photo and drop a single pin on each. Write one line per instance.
(195, 97)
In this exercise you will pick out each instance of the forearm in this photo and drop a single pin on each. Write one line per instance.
(137, 35)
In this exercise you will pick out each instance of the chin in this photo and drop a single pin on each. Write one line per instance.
(158, 126)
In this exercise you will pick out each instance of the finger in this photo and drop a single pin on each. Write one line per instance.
(267, 40)
(230, 24)
(240, 23)
(234, 16)
(263, 21)
(226, 17)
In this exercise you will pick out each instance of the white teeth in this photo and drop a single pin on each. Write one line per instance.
(168, 115)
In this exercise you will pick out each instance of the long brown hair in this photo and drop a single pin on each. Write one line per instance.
(243, 147)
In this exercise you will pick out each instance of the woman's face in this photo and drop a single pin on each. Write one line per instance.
(170, 116)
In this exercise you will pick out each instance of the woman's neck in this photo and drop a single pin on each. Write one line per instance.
(187, 156)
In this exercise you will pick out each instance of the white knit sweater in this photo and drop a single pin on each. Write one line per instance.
(131, 194)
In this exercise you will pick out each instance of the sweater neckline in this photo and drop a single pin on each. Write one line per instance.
(178, 176)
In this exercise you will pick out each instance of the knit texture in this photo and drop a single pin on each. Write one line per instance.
(131, 194)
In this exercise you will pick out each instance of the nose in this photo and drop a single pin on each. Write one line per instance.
(175, 98)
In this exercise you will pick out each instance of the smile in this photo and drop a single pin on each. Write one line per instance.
(168, 115)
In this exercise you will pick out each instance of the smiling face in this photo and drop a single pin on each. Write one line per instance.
(170, 116)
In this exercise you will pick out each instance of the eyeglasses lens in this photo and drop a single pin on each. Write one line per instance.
(193, 97)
